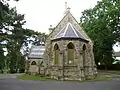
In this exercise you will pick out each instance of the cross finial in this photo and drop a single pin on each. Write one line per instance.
(67, 9)
(65, 5)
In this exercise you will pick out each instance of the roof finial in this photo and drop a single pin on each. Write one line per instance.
(67, 9)
(65, 5)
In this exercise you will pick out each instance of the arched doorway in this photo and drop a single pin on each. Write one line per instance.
(34, 67)
(70, 53)
(56, 54)
(84, 49)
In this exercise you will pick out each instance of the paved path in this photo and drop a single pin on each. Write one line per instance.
(11, 83)
(113, 76)
(9, 76)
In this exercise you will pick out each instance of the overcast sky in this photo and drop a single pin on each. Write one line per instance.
(40, 14)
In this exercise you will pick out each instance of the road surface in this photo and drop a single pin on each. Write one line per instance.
(11, 83)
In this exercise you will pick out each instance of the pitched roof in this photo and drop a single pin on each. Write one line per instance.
(36, 52)
(69, 31)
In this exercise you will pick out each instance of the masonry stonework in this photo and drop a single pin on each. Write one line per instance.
(81, 69)
(68, 52)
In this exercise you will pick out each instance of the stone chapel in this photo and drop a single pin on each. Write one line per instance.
(68, 52)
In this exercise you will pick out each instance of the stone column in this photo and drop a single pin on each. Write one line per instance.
(61, 58)
(61, 74)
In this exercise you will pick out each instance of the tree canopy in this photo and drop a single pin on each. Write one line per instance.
(102, 24)
(14, 38)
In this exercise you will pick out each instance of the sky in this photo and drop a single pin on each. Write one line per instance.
(40, 14)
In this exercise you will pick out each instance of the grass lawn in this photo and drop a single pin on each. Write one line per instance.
(39, 78)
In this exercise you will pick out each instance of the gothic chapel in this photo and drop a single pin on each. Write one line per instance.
(68, 51)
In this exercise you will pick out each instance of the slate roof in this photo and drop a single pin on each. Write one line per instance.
(36, 52)
(69, 31)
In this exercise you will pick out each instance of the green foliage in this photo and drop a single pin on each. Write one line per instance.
(102, 24)
(15, 37)
(2, 58)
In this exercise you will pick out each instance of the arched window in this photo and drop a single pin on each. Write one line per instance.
(33, 63)
(70, 53)
(56, 54)
(84, 48)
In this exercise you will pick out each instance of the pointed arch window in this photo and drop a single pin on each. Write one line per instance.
(33, 63)
(84, 49)
(70, 53)
(56, 54)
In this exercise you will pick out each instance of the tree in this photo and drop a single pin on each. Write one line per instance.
(102, 24)
(1, 60)
(11, 32)
(16, 37)
(3, 11)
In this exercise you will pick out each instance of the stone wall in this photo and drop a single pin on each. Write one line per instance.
(78, 51)
(78, 70)
(67, 18)
(33, 69)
